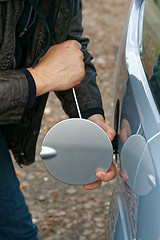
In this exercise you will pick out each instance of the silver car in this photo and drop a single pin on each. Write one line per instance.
(135, 205)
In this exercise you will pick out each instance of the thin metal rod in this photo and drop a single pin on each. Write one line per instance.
(76, 101)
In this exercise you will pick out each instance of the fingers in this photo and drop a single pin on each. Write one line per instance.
(78, 44)
(73, 43)
(103, 176)
(93, 185)
(110, 131)
(107, 176)
(99, 120)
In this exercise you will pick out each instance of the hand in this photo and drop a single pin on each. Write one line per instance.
(60, 69)
(103, 176)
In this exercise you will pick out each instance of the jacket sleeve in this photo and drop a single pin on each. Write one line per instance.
(88, 94)
(13, 95)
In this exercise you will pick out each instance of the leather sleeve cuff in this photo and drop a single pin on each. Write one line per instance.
(86, 114)
(31, 88)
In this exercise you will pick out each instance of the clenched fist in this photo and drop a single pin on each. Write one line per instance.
(60, 69)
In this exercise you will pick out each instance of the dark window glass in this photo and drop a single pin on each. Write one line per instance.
(151, 47)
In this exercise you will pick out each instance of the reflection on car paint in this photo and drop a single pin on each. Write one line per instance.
(137, 164)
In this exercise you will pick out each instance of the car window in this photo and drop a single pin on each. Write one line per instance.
(151, 47)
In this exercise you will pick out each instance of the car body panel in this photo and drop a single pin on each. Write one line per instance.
(135, 203)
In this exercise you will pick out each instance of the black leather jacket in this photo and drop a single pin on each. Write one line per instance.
(19, 125)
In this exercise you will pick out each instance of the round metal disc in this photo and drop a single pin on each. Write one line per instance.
(74, 150)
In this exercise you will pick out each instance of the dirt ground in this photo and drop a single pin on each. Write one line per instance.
(61, 211)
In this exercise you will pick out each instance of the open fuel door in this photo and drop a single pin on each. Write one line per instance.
(74, 150)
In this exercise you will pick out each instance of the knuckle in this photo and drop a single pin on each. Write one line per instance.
(74, 44)
(71, 43)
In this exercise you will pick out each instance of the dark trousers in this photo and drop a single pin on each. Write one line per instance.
(15, 219)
